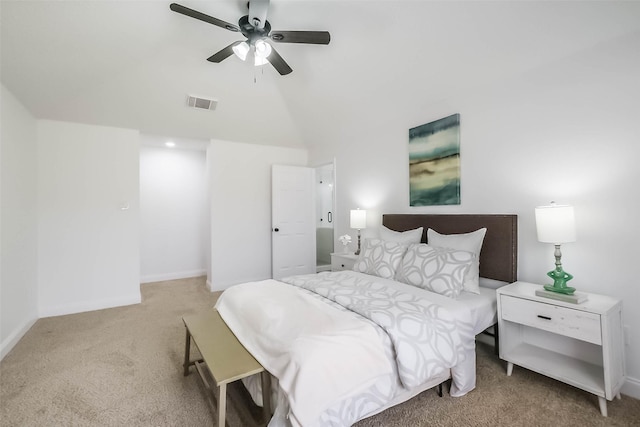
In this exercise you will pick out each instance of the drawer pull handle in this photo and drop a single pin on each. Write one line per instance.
(544, 317)
(342, 265)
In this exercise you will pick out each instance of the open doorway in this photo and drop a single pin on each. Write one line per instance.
(173, 208)
(324, 216)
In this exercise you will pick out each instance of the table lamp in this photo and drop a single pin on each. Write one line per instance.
(359, 222)
(556, 224)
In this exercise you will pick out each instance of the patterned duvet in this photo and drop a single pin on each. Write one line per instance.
(420, 336)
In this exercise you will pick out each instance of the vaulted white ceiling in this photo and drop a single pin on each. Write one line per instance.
(132, 63)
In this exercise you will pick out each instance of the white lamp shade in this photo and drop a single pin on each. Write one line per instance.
(258, 60)
(556, 224)
(241, 50)
(263, 49)
(262, 52)
(358, 219)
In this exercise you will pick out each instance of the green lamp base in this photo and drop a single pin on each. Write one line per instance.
(560, 279)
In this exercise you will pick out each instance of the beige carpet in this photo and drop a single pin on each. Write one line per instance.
(122, 367)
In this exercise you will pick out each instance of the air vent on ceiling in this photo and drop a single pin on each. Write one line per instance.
(201, 103)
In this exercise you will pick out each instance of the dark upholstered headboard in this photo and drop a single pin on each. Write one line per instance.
(499, 255)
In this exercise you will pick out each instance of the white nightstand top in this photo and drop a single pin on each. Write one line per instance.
(595, 304)
(348, 255)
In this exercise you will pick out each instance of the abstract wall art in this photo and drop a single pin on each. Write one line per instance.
(434, 163)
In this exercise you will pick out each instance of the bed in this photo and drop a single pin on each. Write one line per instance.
(343, 346)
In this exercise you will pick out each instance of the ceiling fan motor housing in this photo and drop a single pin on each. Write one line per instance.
(251, 32)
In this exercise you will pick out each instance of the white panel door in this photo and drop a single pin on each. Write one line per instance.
(293, 242)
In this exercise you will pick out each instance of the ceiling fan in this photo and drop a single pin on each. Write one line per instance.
(257, 30)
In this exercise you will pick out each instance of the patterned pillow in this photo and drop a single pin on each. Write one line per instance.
(439, 270)
(470, 242)
(380, 258)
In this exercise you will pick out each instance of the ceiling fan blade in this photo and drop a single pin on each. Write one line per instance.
(310, 37)
(278, 63)
(202, 17)
(223, 54)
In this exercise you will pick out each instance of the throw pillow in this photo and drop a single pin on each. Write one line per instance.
(470, 242)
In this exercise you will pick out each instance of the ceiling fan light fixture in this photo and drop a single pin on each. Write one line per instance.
(263, 49)
(260, 61)
(241, 50)
(262, 52)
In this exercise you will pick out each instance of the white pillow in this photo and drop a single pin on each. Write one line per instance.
(439, 270)
(491, 283)
(406, 237)
(380, 258)
(470, 242)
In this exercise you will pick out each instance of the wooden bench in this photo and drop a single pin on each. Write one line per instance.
(226, 359)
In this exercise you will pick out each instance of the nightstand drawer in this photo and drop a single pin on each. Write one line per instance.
(549, 317)
(341, 262)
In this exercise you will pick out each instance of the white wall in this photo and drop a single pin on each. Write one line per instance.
(18, 222)
(566, 132)
(173, 212)
(88, 217)
(240, 189)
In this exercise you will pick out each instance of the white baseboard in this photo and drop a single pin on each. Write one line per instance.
(149, 278)
(219, 287)
(11, 341)
(82, 306)
(631, 387)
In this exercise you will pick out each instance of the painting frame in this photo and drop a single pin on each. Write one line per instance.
(434, 163)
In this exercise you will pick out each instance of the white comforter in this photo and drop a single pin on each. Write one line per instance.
(323, 355)
(319, 355)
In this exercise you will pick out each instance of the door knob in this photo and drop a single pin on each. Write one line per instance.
(276, 229)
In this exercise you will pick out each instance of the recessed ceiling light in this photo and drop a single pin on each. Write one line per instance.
(170, 144)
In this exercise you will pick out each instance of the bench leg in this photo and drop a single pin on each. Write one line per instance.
(187, 349)
(222, 405)
(266, 395)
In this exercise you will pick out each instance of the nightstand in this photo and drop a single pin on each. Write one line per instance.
(578, 344)
(343, 261)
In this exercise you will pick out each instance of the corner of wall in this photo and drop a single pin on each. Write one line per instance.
(150, 278)
(19, 232)
(90, 305)
(10, 341)
(631, 387)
